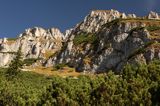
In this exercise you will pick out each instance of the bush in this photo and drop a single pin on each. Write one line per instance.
(30, 61)
(153, 28)
(136, 85)
(59, 66)
(24, 90)
(136, 29)
(112, 23)
(84, 38)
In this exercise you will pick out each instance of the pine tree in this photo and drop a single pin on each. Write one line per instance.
(15, 65)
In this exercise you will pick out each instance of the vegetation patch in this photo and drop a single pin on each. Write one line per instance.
(136, 29)
(59, 66)
(113, 22)
(15, 66)
(48, 54)
(84, 38)
(8, 52)
(139, 19)
(153, 28)
(134, 86)
(12, 39)
(137, 85)
(24, 90)
(30, 61)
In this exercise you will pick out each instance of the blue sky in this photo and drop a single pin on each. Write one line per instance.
(18, 15)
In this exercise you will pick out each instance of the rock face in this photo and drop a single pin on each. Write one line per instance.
(131, 16)
(97, 18)
(153, 15)
(104, 40)
(35, 43)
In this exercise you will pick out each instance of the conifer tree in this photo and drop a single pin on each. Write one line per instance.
(15, 65)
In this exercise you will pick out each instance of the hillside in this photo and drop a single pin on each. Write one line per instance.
(133, 87)
(105, 40)
(109, 58)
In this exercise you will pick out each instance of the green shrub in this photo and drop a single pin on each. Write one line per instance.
(24, 90)
(15, 66)
(135, 86)
(84, 38)
(59, 66)
(153, 28)
(112, 23)
(30, 61)
(136, 29)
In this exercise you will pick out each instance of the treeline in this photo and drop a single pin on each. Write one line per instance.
(134, 86)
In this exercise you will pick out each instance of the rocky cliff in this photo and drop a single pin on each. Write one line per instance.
(104, 40)
(35, 43)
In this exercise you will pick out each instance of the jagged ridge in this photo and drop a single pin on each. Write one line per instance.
(106, 40)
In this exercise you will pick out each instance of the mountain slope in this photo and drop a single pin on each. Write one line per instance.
(106, 39)
(100, 44)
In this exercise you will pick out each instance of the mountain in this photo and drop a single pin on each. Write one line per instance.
(35, 43)
(105, 40)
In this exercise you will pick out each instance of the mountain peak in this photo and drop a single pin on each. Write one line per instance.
(98, 43)
(153, 15)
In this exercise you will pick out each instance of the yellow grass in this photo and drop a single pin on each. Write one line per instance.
(10, 42)
(65, 72)
(155, 34)
(87, 60)
(145, 21)
(48, 53)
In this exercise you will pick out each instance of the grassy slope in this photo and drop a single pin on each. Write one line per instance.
(49, 71)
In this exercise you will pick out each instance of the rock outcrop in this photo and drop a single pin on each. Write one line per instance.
(153, 15)
(105, 40)
(97, 18)
(35, 43)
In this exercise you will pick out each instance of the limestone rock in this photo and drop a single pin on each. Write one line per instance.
(131, 16)
(97, 18)
(153, 15)
(36, 43)
(107, 40)
(114, 48)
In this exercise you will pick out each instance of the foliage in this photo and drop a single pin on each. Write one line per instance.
(15, 65)
(136, 29)
(8, 52)
(112, 23)
(136, 85)
(84, 38)
(59, 66)
(149, 28)
(24, 90)
(153, 28)
(30, 61)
